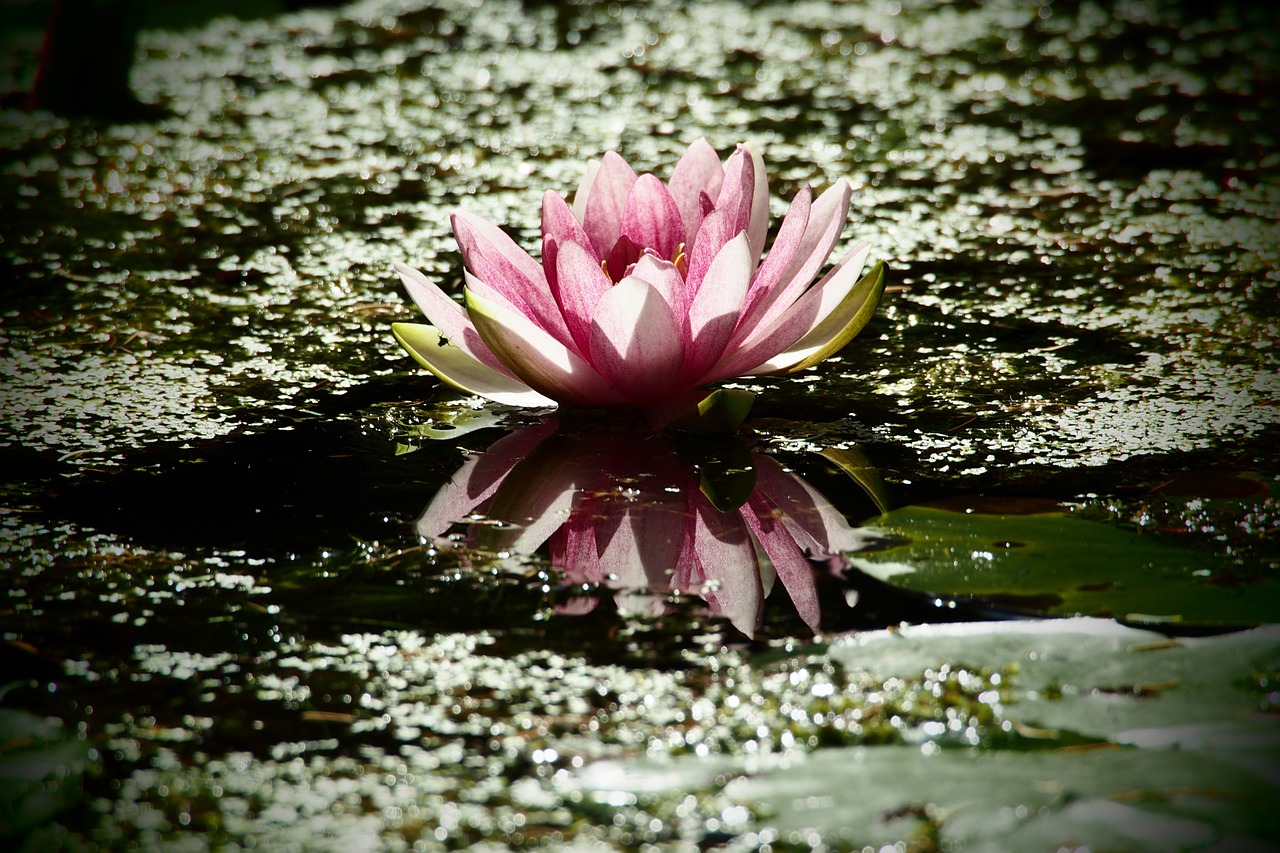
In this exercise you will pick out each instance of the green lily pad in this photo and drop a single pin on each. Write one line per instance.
(1062, 565)
(1184, 751)
(1127, 741)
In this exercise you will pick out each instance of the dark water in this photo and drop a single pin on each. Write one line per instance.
(267, 584)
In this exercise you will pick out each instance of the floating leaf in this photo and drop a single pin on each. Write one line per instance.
(1137, 743)
(1064, 565)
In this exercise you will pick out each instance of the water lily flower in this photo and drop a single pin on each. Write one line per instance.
(646, 291)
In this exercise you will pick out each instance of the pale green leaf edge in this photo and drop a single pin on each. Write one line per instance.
(457, 369)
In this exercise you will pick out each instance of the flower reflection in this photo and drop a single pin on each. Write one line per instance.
(647, 515)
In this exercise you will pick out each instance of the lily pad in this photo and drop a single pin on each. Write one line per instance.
(1064, 565)
(1125, 740)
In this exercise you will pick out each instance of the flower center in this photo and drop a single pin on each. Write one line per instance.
(678, 258)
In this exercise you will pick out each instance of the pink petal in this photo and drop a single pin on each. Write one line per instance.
(697, 172)
(811, 520)
(606, 200)
(793, 567)
(636, 342)
(530, 506)
(835, 330)
(559, 226)
(713, 314)
(737, 196)
(579, 605)
(495, 259)
(651, 218)
(661, 534)
(798, 320)
(826, 222)
(584, 189)
(449, 317)
(706, 204)
(643, 550)
(537, 358)
(479, 479)
(714, 233)
(784, 248)
(573, 548)
(759, 223)
(580, 282)
(666, 279)
(620, 258)
(726, 556)
(540, 507)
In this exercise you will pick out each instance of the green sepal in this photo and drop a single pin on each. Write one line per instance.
(719, 413)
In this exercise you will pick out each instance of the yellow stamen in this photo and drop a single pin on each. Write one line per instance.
(680, 259)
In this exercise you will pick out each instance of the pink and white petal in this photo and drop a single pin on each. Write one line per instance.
(807, 313)
(706, 204)
(579, 605)
(583, 192)
(651, 219)
(726, 558)
(715, 232)
(698, 171)
(478, 480)
(500, 458)
(636, 342)
(573, 547)
(622, 257)
(449, 317)
(791, 564)
(829, 213)
(486, 292)
(758, 224)
(639, 556)
(713, 314)
(826, 222)
(526, 511)
(559, 226)
(835, 331)
(737, 195)
(543, 504)
(580, 283)
(666, 279)
(687, 574)
(495, 259)
(775, 263)
(661, 533)
(485, 244)
(606, 201)
(460, 370)
(540, 360)
(811, 520)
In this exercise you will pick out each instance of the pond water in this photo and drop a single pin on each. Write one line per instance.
(1003, 574)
